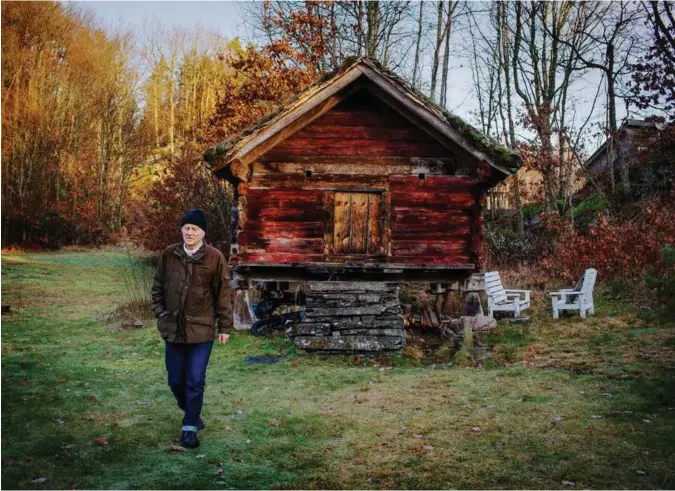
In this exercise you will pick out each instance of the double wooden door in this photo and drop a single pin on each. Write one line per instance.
(358, 224)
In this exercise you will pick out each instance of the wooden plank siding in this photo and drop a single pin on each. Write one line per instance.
(432, 219)
(359, 183)
(360, 126)
(284, 226)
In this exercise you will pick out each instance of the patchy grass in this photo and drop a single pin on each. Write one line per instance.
(585, 401)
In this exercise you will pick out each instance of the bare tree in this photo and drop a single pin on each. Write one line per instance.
(537, 57)
(418, 44)
(606, 40)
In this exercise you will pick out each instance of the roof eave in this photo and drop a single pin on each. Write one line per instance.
(395, 88)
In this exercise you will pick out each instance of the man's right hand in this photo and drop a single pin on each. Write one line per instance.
(223, 338)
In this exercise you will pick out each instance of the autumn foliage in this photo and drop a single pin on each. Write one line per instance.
(186, 183)
(69, 140)
(627, 246)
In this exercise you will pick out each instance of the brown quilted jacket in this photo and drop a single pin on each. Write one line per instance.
(191, 295)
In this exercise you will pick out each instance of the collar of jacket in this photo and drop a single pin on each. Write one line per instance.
(196, 257)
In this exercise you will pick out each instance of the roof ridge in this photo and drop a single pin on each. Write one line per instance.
(501, 155)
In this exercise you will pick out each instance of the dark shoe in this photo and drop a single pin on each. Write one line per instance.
(200, 424)
(188, 439)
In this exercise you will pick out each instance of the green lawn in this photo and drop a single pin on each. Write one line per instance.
(590, 402)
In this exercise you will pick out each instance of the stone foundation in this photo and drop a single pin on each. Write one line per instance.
(351, 317)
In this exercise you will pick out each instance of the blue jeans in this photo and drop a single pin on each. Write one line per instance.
(186, 366)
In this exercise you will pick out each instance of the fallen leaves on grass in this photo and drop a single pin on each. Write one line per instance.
(475, 428)
(101, 441)
(428, 448)
(568, 483)
(178, 448)
(39, 480)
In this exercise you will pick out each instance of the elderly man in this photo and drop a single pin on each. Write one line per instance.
(191, 299)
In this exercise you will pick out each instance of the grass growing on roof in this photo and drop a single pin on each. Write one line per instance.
(585, 401)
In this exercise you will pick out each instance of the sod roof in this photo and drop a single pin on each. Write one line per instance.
(485, 148)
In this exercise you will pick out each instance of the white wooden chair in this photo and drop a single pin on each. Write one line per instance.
(578, 298)
(503, 300)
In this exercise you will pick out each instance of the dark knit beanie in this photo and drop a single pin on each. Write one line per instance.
(195, 217)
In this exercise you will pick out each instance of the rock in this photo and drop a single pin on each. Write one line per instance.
(351, 286)
(312, 329)
(348, 311)
(351, 316)
(349, 343)
(371, 332)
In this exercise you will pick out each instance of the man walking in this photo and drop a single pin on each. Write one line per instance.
(191, 298)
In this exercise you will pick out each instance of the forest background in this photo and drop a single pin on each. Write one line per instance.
(103, 131)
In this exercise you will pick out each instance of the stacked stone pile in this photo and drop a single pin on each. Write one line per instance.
(351, 317)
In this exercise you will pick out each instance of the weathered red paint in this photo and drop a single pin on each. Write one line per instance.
(432, 219)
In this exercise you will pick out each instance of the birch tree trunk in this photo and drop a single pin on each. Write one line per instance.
(437, 49)
(418, 43)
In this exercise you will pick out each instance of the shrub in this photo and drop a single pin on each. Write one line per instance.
(184, 184)
(137, 278)
(623, 247)
(662, 280)
(505, 246)
(586, 211)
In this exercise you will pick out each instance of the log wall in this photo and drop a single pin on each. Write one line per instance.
(361, 145)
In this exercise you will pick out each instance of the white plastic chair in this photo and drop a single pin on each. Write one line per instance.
(503, 300)
(578, 298)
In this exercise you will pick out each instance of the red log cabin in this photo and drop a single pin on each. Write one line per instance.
(360, 177)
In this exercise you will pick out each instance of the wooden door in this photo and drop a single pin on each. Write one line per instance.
(358, 224)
